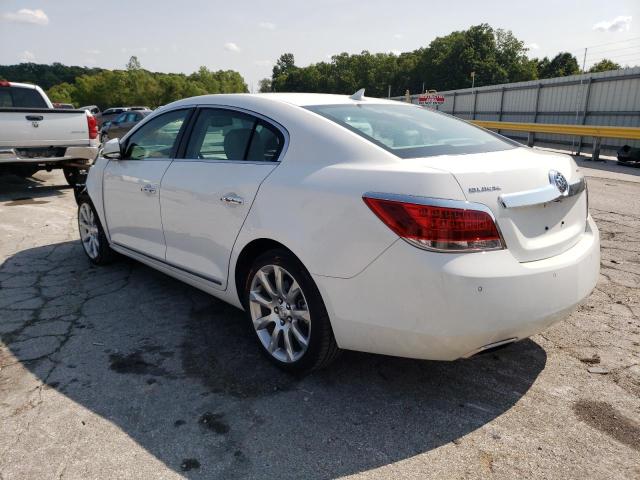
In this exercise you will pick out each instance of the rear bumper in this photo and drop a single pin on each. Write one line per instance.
(419, 304)
(81, 154)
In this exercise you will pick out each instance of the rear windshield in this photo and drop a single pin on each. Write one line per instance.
(17, 97)
(411, 132)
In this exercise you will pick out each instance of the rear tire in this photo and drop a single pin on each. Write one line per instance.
(92, 237)
(73, 175)
(287, 313)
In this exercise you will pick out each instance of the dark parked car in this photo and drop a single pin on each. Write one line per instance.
(122, 124)
(628, 155)
(112, 113)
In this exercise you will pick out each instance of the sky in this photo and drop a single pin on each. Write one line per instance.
(249, 35)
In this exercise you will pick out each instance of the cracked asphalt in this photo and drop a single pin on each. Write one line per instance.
(122, 372)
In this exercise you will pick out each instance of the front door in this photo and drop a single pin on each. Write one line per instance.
(132, 184)
(207, 194)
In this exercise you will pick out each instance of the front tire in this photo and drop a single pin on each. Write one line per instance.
(287, 313)
(94, 241)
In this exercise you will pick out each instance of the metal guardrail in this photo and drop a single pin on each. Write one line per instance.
(628, 133)
(597, 132)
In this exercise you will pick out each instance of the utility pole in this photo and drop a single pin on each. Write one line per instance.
(584, 65)
(473, 83)
(389, 92)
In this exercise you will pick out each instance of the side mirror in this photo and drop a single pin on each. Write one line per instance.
(111, 149)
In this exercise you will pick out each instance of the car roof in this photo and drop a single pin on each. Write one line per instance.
(299, 99)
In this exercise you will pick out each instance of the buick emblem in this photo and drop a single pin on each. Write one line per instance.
(557, 179)
(35, 124)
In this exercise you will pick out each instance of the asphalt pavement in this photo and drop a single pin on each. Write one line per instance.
(123, 372)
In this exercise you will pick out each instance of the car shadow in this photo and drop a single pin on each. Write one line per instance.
(29, 189)
(179, 372)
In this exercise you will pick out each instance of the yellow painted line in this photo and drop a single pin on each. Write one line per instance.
(629, 133)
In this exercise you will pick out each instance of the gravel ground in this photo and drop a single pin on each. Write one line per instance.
(122, 372)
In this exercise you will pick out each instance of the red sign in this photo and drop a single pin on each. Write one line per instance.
(431, 99)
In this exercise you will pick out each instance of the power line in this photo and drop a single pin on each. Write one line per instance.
(612, 43)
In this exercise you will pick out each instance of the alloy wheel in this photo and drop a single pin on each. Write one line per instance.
(89, 233)
(280, 313)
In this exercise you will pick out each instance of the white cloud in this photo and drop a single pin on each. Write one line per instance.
(27, 56)
(267, 25)
(621, 23)
(398, 35)
(90, 61)
(232, 47)
(24, 15)
(263, 63)
(92, 51)
(532, 46)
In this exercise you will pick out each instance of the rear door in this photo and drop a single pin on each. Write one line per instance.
(207, 194)
(132, 184)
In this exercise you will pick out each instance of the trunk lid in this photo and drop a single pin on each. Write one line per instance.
(531, 232)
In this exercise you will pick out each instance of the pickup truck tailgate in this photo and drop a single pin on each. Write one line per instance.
(43, 127)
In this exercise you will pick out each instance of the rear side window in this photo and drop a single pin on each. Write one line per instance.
(412, 131)
(18, 97)
(220, 134)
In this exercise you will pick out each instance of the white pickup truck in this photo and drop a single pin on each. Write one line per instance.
(35, 136)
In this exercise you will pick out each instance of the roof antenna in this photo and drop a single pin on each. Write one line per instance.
(359, 95)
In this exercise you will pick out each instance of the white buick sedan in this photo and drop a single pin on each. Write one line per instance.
(342, 222)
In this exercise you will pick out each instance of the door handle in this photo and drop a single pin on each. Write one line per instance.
(148, 188)
(232, 199)
(34, 118)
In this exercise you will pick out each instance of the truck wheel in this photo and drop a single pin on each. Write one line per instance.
(73, 175)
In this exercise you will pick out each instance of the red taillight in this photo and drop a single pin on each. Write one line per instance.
(436, 227)
(92, 123)
(5, 83)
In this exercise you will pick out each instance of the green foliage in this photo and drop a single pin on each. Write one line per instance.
(496, 56)
(133, 86)
(45, 76)
(265, 85)
(605, 65)
(133, 63)
(62, 93)
(561, 65)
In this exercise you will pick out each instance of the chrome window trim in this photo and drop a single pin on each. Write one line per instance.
(538, 196)
(446, 203)
(264, 118)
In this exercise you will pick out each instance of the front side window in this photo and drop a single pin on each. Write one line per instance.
(412, 131)
(220, 134)
(157, 138)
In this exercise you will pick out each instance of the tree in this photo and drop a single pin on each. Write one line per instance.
(62, 93)
(265, 85)
(133, 63)
(604, 65)
(285, 64)
(562, 65)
